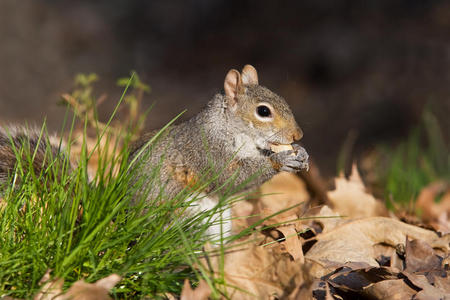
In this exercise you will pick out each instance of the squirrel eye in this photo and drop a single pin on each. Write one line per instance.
(263, 111)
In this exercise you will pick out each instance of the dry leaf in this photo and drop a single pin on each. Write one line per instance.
(170, 296)
(442, 224)
(282, 191)
(437, 215)
(350, 198)
(358, 280)
(442, 283)
(240, 211)
(426, 200)
(326, 217)
(51, 288)
(420, 257)
(354, 241)
(108, 282)
(80, 290)
(428, 292)
(293, 244)
(357, 277)
(257, 272)
(392, 289)
(202, 292)
(383, 254)
(316, 290)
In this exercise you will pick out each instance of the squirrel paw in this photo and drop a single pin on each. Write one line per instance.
(291, 160)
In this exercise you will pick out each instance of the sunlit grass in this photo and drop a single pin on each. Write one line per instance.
(88, 228)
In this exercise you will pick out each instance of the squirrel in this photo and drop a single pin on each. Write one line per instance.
(237, 129)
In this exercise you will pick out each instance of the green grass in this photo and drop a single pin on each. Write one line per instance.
(87, 228)
(422, 158)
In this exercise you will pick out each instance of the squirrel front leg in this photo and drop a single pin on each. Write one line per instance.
(290, 160)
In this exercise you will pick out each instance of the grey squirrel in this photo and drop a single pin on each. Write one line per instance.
(236, 134)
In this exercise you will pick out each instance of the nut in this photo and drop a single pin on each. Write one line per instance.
(281, 147)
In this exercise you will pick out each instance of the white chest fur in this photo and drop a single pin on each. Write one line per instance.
(220, 221)
(245, 146)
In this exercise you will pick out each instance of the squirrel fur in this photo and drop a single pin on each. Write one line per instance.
(230, 136)
(14, 138)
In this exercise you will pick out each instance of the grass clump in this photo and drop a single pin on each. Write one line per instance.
(421, 159)
(84, 225)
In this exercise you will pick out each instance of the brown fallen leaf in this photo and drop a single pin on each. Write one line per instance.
(283, 191)
(170, 296)
(51, 289)
(325, 216)
(80, 290)
(241, 212)
(293, 244)
(354, 242)
(317, 289)
(428, 291)
(256, 272)
(358, 280)
(383, 254)
(442, 223)
(391, 289)
(397, 262)
(426, 200)
(201, 292)
(353, 279)
(435, 214)
(351, 200)
(420, 257)
(357, 276)
(442, 283)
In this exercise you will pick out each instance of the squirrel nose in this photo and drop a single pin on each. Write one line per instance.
(297, 135)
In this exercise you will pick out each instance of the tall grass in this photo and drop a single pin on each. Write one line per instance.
(423, 157)
(87, 227)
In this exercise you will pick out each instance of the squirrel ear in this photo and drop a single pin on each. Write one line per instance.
(249, 75)
(232, 85)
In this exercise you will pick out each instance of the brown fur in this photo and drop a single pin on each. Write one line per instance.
(21, 140)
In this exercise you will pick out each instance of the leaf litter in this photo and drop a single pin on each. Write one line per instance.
(352, 249)
(80, 290)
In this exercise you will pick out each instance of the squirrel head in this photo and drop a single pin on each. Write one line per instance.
(267, 116)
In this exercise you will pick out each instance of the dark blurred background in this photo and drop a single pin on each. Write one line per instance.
(351, 70)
